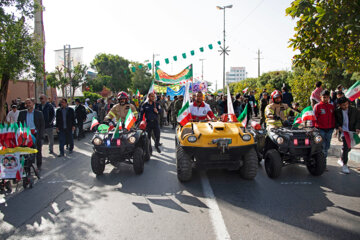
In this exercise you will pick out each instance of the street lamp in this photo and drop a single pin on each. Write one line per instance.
(224, 50)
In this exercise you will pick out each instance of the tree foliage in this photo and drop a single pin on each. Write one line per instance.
(18, 46)
(114, 66)
(327, 30)
(275, 79)
(141, 78)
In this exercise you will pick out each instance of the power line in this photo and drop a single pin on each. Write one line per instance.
(258, 58)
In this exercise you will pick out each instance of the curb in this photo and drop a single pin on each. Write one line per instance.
(335, 150)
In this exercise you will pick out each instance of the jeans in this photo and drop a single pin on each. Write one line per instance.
(345, 151)
(50, 134)
(65, 137)
(326, 134)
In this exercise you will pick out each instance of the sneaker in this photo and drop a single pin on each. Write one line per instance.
(158, 149)
(345, 169)
(60, 155)
(340, 162)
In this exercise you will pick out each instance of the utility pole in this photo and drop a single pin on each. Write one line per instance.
(202, 68)
(224, 50)
(258, 58)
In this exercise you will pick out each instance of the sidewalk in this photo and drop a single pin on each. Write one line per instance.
(335, 150)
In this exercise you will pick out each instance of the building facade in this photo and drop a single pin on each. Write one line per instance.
(236, 74)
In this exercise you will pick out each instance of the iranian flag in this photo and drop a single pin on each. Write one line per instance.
(230, 107)
(19, 135)
(151, 90)
(351, 138)
(94, 123)
(353, 92)
(137, 93)
(245, 90)
(29, 141)
(306, 115)
(129, 120)
(118, 127)
(243, 116)
(184, 114)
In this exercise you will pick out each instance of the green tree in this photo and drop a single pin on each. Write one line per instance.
(275, 79)
(141, 78)
(57, 79)
(77, 76)
(97, 84)
(116, 67)
(327, 30)
(19, 48)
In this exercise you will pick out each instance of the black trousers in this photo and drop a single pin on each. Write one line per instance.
(153, 127)
(80, 126)
(345, 151)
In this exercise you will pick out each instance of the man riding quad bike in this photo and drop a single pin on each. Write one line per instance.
(284, 144)
(205, 143)
(114, 144)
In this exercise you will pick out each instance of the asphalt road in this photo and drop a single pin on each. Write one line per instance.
(70, 202)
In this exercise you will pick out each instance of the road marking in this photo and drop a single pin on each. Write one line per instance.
(296, 183)
(217, 220)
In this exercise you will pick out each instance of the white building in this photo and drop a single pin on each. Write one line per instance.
(236, 74)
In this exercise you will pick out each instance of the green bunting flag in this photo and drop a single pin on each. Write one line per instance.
(133, 69)
(210, 46)
(149, 66)
(140, 66)
(166, 60)
(219, 42)
(201, 49)
(192, 52)
(175, 58)
(157, 63)
(184, 55)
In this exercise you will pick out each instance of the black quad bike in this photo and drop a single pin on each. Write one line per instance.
(132, 147)
(287, 145)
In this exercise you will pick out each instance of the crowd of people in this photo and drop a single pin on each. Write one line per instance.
(331, 108)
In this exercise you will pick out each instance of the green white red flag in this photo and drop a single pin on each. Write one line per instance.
(184, 114)
(151, 90)
(351, 138)
(353, 92)
(243, 116)
(137, 93)
(231, 113)
(94, 123)
(129, 120)
(118, 127)
(306, 115)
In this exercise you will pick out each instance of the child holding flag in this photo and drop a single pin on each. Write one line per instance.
(347, 120)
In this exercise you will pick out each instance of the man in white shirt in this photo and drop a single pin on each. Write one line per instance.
(13, 114)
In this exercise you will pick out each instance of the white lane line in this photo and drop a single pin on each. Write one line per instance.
(217, 220)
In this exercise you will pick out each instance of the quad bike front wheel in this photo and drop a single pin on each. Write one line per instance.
(317, 164)
(138, 160)
(249, 169)
(97, 164)
(273, 163)
(183, 165)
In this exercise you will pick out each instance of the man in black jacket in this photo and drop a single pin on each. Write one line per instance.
(49, 115)
(347, 119)
(34, 119)
(65, 125)
(80, 114)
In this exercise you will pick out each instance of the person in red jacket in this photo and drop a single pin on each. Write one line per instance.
(325, 119)
(199, 109)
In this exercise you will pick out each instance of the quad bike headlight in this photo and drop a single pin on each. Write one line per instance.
(318, 139)
(97, 141)
(132, 139)
(280, 140)
(246, 137)
(192, 139)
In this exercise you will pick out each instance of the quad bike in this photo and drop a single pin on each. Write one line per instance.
(131, 147)
(289, 145)
(215, 145)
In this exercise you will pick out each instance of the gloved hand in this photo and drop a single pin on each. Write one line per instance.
(276, 117)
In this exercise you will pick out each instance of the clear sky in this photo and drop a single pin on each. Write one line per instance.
(135, 29)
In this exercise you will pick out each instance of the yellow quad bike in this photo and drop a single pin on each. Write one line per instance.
(215, 145)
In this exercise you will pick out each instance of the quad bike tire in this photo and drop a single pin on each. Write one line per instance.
(273, 163)
(97, 164)
(249, 169)
(183, 165)
(318, 166)
(138, 160)
(8, 186)
(147, 150)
